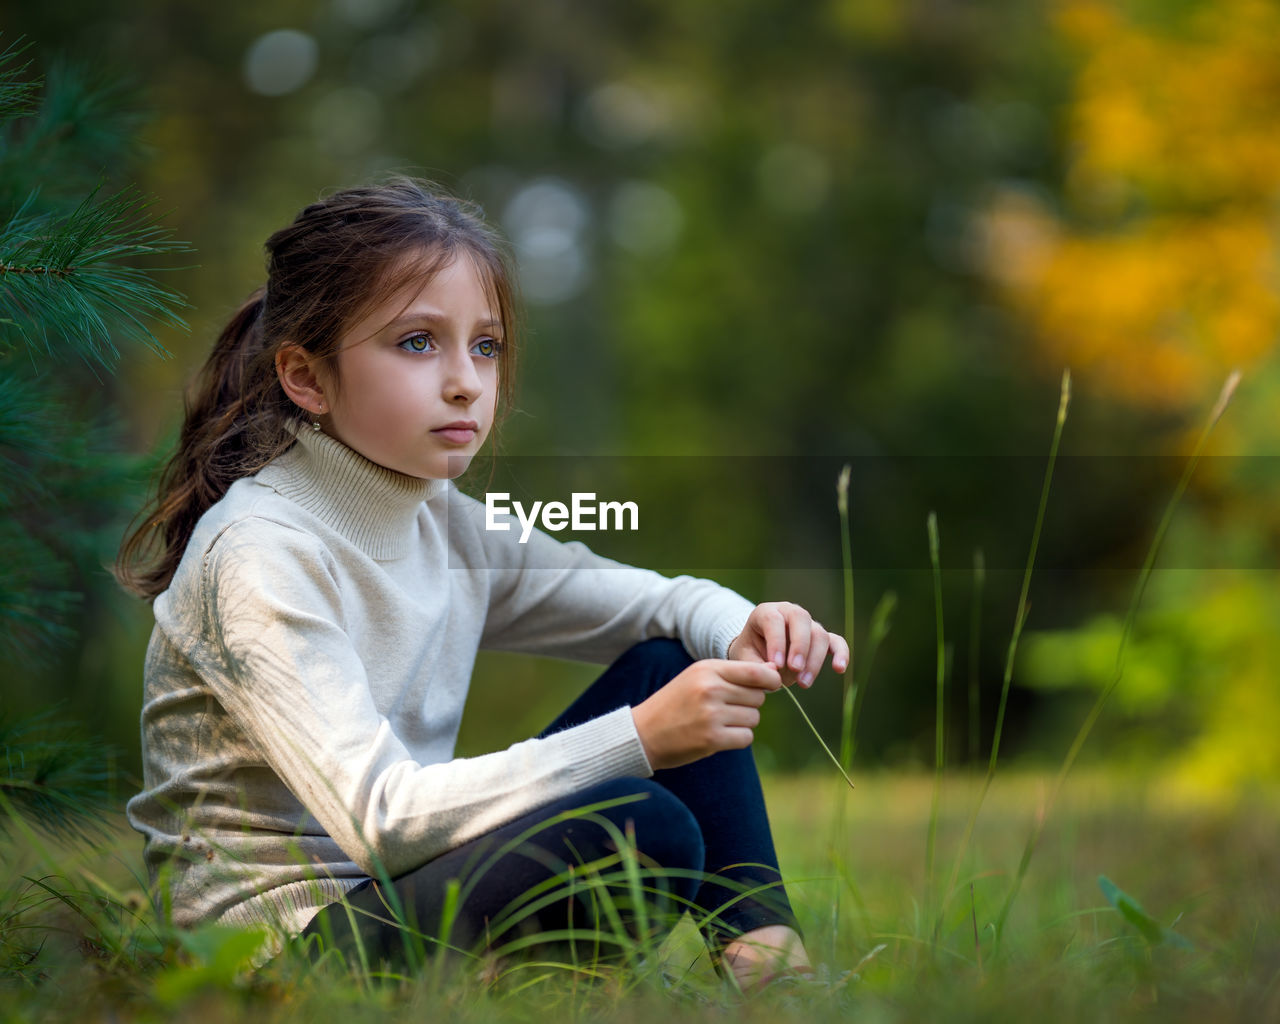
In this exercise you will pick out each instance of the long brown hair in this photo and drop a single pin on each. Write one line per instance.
(339, 259)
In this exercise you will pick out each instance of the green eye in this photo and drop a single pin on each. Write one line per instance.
(417, 343)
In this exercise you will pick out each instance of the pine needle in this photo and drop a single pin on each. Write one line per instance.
(57, 781)
(17, 92)
(65, 281)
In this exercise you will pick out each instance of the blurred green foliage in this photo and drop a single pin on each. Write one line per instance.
(70, 287)
(839, 229)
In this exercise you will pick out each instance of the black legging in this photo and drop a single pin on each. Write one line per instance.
(701, 833)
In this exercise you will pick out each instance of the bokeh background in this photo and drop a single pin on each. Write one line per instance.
(807, 233)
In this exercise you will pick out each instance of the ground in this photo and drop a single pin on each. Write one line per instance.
(1202, 869)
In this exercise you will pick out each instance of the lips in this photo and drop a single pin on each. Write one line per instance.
(458, 432)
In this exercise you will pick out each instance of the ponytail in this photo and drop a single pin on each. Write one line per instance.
(235, 423)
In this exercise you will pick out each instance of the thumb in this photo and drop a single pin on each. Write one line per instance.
(746, 646)
(760, 675)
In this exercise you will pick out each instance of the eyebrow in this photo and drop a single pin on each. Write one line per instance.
(433, 317)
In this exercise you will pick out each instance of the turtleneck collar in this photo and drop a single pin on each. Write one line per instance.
(372, 506)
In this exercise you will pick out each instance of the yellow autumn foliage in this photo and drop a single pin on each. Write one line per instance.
(1160, 271)
(1152, 273)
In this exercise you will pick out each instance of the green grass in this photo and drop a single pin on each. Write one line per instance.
(1065, 951)
(1070, 896)
(1206, 870)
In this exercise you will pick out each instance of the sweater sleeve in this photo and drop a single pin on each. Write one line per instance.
(560, 598)
(276, 651)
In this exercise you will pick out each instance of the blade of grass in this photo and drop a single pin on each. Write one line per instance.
(855, 686)
(881, 621)
(818, 736)
(847, 704)
(1144, 575)
(846, 562)
(975, 647)
(973, 916)
(635, 890)
(935, 561)
(1020, 617)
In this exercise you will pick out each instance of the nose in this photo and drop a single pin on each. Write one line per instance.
(461, 381)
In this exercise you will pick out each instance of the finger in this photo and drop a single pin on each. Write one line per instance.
(759, 674)
(745, 696)
(839, 652)
(735, 715)
(773, 626)
(819, 644)
(735, 737)
(799, 629)
(750, 648)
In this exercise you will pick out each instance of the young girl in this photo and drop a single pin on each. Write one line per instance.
(321, 590)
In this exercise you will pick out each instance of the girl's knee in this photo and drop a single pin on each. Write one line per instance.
(662, 654)
(663, 828)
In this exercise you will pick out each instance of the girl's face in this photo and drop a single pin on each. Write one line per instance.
(418, 377)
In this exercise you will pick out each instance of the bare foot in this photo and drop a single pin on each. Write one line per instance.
(757, 957)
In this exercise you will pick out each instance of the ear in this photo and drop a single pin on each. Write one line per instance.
(296, 368)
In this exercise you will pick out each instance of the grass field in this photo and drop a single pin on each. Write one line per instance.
(1205, 944)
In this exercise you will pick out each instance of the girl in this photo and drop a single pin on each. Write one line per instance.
(320, 592)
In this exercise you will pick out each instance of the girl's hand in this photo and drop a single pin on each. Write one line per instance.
(711, 706)
(785, 635)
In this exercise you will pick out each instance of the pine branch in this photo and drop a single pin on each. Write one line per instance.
(78, 269)
(36, 602)
(66, 270)
(35, 597)
(57, 781)
(86, 128)
(63, 277)
(27, 432)
(62, 479)
(17, 93)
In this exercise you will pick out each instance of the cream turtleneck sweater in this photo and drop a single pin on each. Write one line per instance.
(306, 677)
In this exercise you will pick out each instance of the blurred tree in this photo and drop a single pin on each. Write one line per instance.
(1156, 271)
(745, 229)
(1155, 268)
(69, 289)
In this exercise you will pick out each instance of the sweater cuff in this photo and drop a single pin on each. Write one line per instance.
(723, 636)
(604, 749)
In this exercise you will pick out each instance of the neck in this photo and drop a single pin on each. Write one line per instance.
(372, 506)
